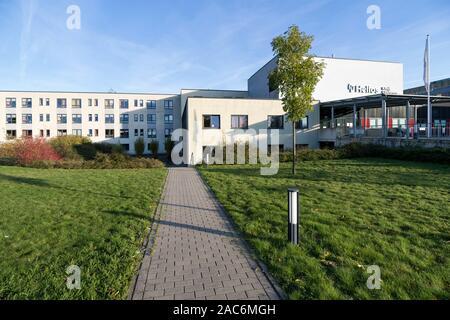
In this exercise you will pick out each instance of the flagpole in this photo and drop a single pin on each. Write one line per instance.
(429, 109)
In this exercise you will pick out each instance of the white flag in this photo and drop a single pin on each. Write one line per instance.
(426, 67)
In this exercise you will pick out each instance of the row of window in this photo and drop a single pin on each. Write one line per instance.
(241, 122)
(77, 103)
(77, 118)
(109, 133)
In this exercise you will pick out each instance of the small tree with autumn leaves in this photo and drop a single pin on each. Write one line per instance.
(296, 76)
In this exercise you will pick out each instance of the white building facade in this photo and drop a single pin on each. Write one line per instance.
(206, 115)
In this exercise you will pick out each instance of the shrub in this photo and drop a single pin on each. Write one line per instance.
(310, 155)
(65, 146)
(117, 149)
(29, 150)
(153, 146)
(7, 150)
(169, 145)
(419, 154)
(139, 147)
(86, 151)
(103, 147)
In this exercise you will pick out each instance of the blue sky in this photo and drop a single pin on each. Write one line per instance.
(163, 46)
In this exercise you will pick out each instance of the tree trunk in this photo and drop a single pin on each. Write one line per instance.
(294, 148)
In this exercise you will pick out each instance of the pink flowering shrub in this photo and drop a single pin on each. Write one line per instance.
(29, 151)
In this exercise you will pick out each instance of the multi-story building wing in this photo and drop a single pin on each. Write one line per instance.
(355, 98)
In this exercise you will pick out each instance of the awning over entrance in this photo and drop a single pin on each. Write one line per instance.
(392, 100)
(385, 102)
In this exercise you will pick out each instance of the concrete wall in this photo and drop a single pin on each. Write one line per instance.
(85, 110)
(205, 93)
(339, 74)
(257, 111)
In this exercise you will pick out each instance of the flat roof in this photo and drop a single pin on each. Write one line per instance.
(91, 92)
(217, 90)
(392, 100)
(233, 98)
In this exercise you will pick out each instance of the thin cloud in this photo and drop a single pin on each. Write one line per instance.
(28, 11)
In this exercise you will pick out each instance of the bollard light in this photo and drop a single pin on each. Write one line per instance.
(294, 209)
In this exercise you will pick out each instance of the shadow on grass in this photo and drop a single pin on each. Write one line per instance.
(23, 180)
(126, 214)
(344, 171)
(43, 183)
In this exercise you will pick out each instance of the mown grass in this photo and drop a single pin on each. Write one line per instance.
(95, 219)
(354, 214)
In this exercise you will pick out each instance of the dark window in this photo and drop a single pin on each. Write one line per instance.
(275, 122)
(211, 122)
(239, 122)
(168, 132)
(303, 123)
(124, 104)
(61, 103)
(151, 118)
(10, 102)
(124, 118)
(27, 133)
(76, 118)
(168, 104)
(168, 118)
(27, 103)
(11, 119)
(109, 118)
(125, 147)
(124, 133)
(27, 118)
(151, 133)
(151, 104)
(11, 134)
(61, 118)
(109, 133)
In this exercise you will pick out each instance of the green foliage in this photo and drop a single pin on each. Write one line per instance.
(297, 73)
(87, 151)
(169, 145)
(354, 213)
(52, 219)
(358, 150)
(65, 146)
(103, 147)
(153, 146)
(117, 149)
(101, 161)
(418, 154)
(139, 147)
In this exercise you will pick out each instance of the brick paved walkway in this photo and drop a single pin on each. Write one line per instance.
(196, 254)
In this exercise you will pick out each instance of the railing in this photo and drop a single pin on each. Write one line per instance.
(344, 128)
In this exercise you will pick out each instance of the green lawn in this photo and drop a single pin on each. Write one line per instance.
(354, 213)
(95, 219)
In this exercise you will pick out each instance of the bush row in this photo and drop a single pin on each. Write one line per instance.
(70, 152)
(357, 150)
(102, 161)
